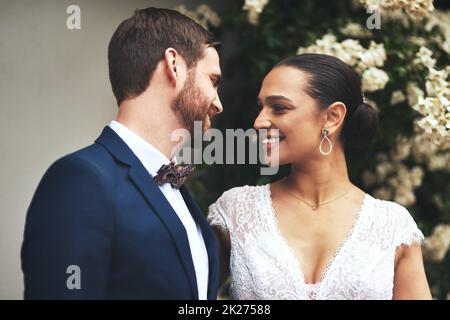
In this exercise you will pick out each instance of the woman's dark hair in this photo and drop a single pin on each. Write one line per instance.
(139, 44)
(332, 80)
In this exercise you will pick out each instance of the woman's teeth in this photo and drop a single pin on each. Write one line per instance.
(271, 140)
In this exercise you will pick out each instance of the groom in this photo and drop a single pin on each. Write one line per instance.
(111, 221)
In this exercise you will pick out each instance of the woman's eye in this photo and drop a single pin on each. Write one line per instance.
(278, 108)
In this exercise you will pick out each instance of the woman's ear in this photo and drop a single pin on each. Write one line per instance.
(334, 117)
(174, 64)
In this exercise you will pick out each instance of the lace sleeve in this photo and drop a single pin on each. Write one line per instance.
(218, 213)
(407, 232)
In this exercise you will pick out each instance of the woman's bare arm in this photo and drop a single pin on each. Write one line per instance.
(410, 281)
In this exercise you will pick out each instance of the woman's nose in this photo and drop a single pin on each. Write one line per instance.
(262, 121)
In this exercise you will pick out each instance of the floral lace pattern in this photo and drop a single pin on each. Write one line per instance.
(263, 265)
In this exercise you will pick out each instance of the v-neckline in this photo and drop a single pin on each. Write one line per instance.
(291, 252)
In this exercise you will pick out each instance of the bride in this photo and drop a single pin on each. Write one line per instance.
(314, 234)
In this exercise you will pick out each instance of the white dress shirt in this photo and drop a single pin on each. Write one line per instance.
(153, 159)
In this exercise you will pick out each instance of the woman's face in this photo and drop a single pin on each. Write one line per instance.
(284, 105)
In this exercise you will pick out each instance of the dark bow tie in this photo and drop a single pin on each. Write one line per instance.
(174, 174)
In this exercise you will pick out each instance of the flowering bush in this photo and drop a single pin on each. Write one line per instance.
(404, 67)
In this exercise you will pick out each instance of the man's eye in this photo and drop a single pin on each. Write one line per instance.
(215, 82)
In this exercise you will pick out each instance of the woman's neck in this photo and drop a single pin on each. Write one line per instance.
(318, 181)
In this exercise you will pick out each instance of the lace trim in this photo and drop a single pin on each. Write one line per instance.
(216, 218)
(415, 237)
(294, 261)
(356, 223)
(313, 286)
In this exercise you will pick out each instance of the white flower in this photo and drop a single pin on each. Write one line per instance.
(415, 8)
(402, 149)
(383, 169)
(424, 57)
(356, 30)
(399, 181)
(439, 162)
(424, 146)
(375, 56)
(404, 196)
(437, 82)
(397, 97)
(349, 51)
(371, 4)
(414, 92)
(427, 124)
(382, 193)
(254, 8)
(209, 15)
(420, 41)
(435, 247)
(428, 106)
(374, 79)
(435, 109)
(416, 176)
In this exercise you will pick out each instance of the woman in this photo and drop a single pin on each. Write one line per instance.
(314, 234)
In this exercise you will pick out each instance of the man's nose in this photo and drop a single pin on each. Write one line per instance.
(217, 106)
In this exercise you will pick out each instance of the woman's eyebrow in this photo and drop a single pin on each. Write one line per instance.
(278, 97)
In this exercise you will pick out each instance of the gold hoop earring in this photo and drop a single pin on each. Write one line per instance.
(325, 137)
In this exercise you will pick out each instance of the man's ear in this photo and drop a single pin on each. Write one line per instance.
(334, 117)
(175, 66)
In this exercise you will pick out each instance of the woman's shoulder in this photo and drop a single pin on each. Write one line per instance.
(389, 209)
(241, 193)
(390, 215)
(233, 203)
(240, 198)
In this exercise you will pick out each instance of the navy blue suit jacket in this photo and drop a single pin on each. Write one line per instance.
(100, 210)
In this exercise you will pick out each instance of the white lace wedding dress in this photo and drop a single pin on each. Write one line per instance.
(263, 266)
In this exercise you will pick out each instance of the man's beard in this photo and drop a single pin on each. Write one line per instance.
(190, 105)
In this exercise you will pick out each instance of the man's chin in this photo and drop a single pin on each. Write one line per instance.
(206, 124)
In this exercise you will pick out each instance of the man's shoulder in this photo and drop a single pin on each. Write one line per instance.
(93, 158)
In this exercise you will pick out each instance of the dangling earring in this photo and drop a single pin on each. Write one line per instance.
(325, 137)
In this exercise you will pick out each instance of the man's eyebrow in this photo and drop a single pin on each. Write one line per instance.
(278, 97)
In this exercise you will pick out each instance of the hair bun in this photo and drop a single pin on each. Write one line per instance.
(361, 127)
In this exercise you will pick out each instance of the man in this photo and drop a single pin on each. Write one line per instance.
(103, 224)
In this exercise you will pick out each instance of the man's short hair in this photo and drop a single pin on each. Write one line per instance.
(139, 44)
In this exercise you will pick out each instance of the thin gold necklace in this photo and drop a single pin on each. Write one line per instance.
(315, 207)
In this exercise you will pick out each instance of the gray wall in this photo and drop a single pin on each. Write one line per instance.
(55, 97)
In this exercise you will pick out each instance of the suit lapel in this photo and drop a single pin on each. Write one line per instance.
(155, 198)
(209, 238)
